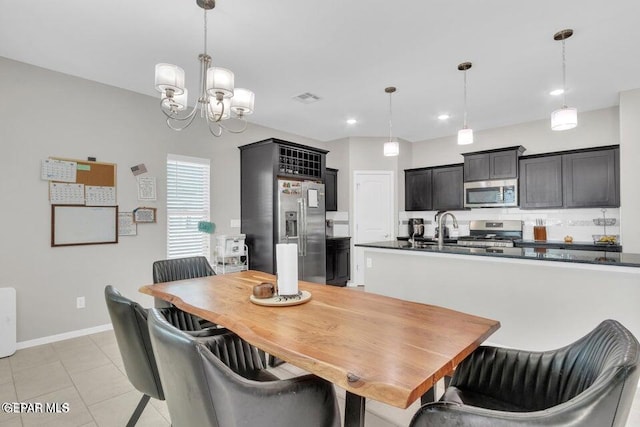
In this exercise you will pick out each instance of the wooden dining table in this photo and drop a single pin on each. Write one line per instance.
(374, 347)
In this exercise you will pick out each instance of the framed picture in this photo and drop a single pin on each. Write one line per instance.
(144, 215)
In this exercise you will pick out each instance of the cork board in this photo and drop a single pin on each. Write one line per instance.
(94, 173)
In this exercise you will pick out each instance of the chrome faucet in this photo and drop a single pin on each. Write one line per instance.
(442, 221)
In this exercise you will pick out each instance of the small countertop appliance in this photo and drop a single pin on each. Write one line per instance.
(416, 231)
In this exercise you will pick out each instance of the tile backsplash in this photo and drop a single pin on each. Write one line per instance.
(578, 223)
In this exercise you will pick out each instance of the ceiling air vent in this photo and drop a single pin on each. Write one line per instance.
(307, 98)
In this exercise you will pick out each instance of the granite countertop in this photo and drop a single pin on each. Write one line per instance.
(601, 257)
(559, 244)
(337, 237)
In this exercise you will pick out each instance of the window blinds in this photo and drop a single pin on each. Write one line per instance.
(188, 181)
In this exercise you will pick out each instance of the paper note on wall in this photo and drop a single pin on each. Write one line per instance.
(100, 196)
(146, 188)
(58, 170)
(66, 194)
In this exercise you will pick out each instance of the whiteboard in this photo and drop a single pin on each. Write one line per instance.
(83, 225)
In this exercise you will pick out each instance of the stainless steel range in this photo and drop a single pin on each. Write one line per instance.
(492, 233)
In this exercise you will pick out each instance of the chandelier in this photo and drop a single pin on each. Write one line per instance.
(218, 99)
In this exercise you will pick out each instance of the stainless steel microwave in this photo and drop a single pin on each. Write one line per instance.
(491, 194)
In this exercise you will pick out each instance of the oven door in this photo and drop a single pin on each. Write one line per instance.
(491, 194)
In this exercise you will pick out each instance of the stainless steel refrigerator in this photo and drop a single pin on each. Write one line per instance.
(301, 219)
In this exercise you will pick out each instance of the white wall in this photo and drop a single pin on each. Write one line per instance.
(52, 114)
(629, 170)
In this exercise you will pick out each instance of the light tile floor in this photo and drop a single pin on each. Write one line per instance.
(88, 374)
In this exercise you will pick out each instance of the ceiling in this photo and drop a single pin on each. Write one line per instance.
(346, 52)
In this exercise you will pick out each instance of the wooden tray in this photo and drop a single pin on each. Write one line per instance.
(282, 301)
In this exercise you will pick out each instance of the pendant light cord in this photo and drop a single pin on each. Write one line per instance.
(564, 77)
(464, 123)
(390, 117)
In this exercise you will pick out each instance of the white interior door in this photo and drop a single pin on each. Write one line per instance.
(372, 213)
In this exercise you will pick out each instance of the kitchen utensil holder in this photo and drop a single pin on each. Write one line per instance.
(540, 233)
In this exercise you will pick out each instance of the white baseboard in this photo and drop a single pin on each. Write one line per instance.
(63, 336)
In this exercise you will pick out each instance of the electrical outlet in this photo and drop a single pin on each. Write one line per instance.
(235, 223)
(369, 263)
(80, 302)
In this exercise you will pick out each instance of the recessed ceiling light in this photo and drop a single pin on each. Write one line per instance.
(556, 92)
(443, 117)
(351, 121)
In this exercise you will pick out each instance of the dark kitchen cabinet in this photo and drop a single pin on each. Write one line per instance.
(447, 188)
(591, 179)
(492, 164)
(541, 182)
(576, 179)
(331, 189)
(417, 189)
(261, 164)
(338, 260)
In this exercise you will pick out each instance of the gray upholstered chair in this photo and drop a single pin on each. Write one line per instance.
(169, 270)
(129, 321)
(130, 327)
(211, 383)
(588, 383)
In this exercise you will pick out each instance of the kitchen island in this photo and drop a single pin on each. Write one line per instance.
(544, 298)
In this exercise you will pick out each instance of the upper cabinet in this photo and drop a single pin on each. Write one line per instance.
(417, 190)
(492, 164)
(437, 188)
(541, 182)
(331, 189)
(447, 188)
(591, 179)
(580, 179)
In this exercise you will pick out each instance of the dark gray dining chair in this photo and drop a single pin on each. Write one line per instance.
(231, 386)
(170, 270)
(129, 322)
(590, 383)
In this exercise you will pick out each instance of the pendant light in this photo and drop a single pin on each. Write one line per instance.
(566, 117)
(465, 135)
(391, 147)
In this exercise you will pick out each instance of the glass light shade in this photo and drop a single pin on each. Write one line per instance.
(465, 136)
(215, 109)
(169, 76)
(220, 80)
(176, 103)
(243, 101)
(564, 118)
(391, 148)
